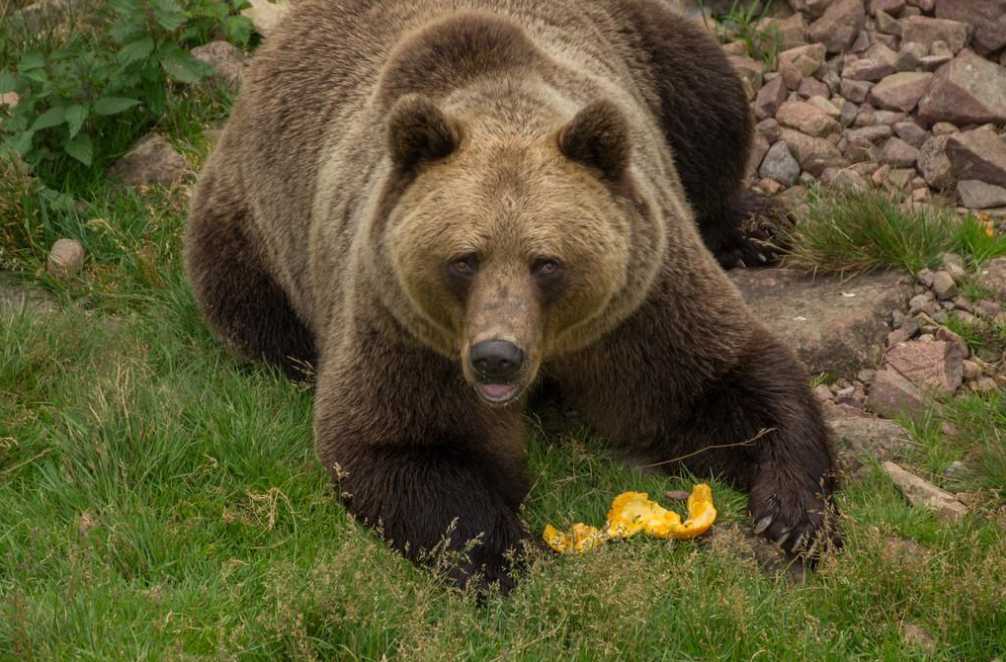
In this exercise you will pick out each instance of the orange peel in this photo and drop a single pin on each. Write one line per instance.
(632, 513)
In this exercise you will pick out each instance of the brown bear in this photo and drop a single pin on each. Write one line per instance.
(437, 205)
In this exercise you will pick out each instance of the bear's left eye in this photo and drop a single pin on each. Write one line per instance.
(464, 266)
(546, 268)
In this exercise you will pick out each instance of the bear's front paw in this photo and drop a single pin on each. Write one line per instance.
(802, 519)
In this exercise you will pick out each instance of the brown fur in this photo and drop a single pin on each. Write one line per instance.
(401, 180)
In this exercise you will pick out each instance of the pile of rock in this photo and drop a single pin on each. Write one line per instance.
(905, 95)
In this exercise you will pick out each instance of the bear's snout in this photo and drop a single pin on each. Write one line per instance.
(496, 360)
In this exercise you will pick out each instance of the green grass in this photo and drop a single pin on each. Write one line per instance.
(853, 232)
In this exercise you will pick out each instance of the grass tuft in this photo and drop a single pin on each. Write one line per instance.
(846, 232)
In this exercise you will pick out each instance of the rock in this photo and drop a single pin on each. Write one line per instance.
(677, 495)
(151, 161)
(925, 31)
(979, 195)
(972, 371)
(968, 90)
(946, 335)
(813, 154)
(66, 257)
(987, 16)
(944, 286)
(228, 63)
(769, 98)
(892, 395)
(900, 91)
(987, 309)
(911, 133)
(896, 152)
(266, 15)
(922, 493)
(910, 56)
(892, 7)
(934, 164)
(858, 438)
(759, 147)
(944, 129)
(828, 330)
(806, 118)
(812, 87)
(805, 59)
(888, 24)
(978, 154)
(992, 276)
(780, 165)
(748, 69)
(839, 25)
(791, 32)
(871, 69)
(956, 469)
(855, 90)
(15, 297)
(825, 105)
(769, 128)
(936, 365)
(917, 635)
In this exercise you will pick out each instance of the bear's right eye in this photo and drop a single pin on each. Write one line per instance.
(464, 266)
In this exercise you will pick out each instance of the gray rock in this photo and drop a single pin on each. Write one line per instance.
(944, 286)
(911, 133)
(934, 164)
(266, 15)
(892, 395)
(900, 91)
(968, 90)
(978, 154)
(924, 494)
(770, 97)
(151, 161)
(66, 257)
(780, 165)
(896, 152)
(910, 56)
(918, 636)
(16, 297)
(839, 25)
(925, 30)
(806, 118)
(992, 276)
(813, 154)
(228, 63)
(858, 438)
(988, 17)
(979, 195)
(828, 330)
(855, 90)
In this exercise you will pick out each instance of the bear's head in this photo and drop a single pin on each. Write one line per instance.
(506, 247)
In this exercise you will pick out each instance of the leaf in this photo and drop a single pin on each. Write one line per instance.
(21, 143)
(113, 105)
(238, 29)
(80, 148)
(7, 82)
(75, 116)
(136, 50)
(31, 61)
(169, 15)
(182, 66)
(50, 118)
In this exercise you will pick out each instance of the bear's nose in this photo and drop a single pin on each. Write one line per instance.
(496, 359)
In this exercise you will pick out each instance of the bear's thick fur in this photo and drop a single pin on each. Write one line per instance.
(436, 204)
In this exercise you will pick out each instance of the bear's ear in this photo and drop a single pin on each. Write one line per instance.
(598, 137)
(419, 131)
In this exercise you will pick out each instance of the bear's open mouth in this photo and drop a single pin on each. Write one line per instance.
(497, 393)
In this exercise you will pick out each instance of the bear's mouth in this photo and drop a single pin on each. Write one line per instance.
(497, 394)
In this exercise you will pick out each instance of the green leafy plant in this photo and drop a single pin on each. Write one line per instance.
(745, 20)
(118, 72)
